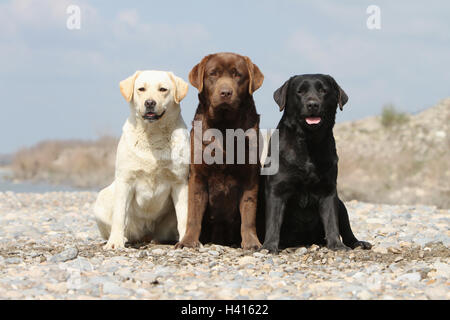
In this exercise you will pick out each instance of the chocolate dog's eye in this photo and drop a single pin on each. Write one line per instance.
(141, 89)
(213, 73)
(162, 89)
(235, 73)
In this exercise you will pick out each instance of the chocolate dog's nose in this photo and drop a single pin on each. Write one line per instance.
(226, 92)
(150, 103)
(312, 105)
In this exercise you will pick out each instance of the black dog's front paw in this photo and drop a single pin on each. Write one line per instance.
(337, 245)
(362, 244)
(272, 248)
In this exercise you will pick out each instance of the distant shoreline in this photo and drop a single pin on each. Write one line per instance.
(10, 184)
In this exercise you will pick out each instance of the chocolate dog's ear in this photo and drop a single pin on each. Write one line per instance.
(197, 73)
(255, 75)
(280, 95)
(127, 86)
(342, 96)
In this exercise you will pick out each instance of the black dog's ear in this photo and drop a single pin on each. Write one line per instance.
(280, 95)
(342, 96)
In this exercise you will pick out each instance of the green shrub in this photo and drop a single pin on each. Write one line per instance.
(391, 117)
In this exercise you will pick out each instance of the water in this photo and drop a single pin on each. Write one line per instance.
(29, 187)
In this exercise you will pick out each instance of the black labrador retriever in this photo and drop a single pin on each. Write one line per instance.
(300, 204)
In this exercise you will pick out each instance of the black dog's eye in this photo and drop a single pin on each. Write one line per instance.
(322, 90)
(162, 89)
(141, 89)
(302, 89)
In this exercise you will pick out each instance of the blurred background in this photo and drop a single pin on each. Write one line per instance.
(62, 112)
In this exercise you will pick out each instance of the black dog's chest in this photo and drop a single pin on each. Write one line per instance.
(313, 176)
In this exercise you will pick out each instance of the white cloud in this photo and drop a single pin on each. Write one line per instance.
(129, 17)
(128, 27)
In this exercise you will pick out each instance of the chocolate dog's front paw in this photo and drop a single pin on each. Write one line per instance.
(362, 244)
(272, 248)
(252, 243)
(188, 244)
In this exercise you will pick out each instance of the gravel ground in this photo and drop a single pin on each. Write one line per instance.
(50, 249)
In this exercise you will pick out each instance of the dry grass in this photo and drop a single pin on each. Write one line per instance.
(75, 162)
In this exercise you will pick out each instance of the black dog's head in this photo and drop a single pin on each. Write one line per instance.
(311, 100)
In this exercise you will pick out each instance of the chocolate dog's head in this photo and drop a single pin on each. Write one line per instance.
(224, 81)
(311, 99)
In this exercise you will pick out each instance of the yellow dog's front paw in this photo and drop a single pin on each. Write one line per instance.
(115, 243)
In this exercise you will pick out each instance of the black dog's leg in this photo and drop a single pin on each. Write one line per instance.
(345, 230)
(328, 209)
(274, 218)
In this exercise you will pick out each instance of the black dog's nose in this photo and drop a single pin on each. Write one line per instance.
(150, 103)
(312, 105)
(226, 93)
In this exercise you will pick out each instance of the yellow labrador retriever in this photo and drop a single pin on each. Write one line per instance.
(149, 194)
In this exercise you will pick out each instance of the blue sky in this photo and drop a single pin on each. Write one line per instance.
(59, 84)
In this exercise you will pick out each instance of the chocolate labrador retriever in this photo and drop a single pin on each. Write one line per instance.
(223, 194)
(302, 206)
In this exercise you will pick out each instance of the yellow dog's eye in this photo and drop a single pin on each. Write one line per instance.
(162, 89)
(141, 89)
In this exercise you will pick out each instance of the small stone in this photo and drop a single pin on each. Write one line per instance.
(394, 250)
(60, 287)
(301, 251)
(66, 255)
(397, 259)
(410, 277)
(364, 295)
(213, 253)
(142, 254)
(13, 260)
(258, 255)
(114, 289)
(378, 249)
(191, 287)
(158, 252)
(247, 260)
(275, 274)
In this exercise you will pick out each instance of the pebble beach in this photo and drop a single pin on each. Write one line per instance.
(50, 248)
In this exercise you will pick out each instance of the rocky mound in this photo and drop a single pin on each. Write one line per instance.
(402, 161)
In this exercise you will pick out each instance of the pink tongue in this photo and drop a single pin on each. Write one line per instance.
(313, 120)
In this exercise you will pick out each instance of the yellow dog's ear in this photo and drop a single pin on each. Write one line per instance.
(181, 87)
(127, 86)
